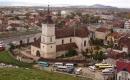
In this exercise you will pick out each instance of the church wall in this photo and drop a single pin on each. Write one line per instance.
(48, 48)
(34, 50)
(48, 29)
(66, 40)
(80, 43)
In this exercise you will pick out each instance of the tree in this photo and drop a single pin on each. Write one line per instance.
(71, 53)
(11, 46)
(99, 56)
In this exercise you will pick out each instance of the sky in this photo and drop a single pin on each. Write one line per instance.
(115, 3)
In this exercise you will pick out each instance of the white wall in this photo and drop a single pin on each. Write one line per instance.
(79, 42)
(66, 40)
(34, 50)
(100, 35)
(119, 74)
(48, 29)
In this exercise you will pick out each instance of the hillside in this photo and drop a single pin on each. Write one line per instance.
(31, 74)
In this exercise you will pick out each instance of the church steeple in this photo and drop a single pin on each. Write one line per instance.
(49, 17)
(48, 9)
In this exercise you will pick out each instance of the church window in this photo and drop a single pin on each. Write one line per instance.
(51, 39)
(84, 43)
(70, 40)
(62, 41)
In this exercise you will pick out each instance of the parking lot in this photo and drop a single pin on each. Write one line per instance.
(97, 75)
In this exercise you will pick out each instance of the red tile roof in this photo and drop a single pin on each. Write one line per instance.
(37, 43)
(64, 47)
(116, 35)
(116, 54)
(69, 32)
(123, 65)
(125, 41)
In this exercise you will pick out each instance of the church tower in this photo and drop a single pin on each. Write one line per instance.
(48, 41)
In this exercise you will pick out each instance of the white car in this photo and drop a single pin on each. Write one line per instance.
(92, 68)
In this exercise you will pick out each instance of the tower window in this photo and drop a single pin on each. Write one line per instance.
(62, 41)
(84, 43)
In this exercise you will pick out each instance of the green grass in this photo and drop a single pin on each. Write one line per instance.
(32, 74)
(28, 74)
(6, 57)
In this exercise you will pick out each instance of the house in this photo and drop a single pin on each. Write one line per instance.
(127, 24)
(123, 70)
(116, 54)
(101, 33)
(114, 37)
(124, 43)
(55, 42)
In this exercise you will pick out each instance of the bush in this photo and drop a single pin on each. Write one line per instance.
(99, 56)
(71, 53)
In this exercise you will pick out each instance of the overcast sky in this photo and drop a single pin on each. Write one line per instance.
(116, 3)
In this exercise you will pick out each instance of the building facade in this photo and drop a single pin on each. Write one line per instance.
(55, 41)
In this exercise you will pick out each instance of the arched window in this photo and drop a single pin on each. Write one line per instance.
(62, 41)
(38, 53)
(84, 43)
(70, 40)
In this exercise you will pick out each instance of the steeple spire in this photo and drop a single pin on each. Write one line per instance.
(48, 10)
(48, 17)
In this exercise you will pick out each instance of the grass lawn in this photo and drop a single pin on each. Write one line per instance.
(32, 74)
(28, 74)
(6, 57)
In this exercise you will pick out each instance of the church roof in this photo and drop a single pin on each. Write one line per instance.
(71, 32)
(37, 43)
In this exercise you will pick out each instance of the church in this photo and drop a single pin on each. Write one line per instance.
(55, 41)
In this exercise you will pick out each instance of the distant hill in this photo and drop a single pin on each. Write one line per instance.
(101, 6)
(92, 6)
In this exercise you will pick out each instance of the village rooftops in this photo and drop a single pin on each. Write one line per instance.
(123, 65)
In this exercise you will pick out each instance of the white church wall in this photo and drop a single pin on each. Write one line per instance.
(80, 43)
(66, 40)
(48, 29)
(34, 50)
